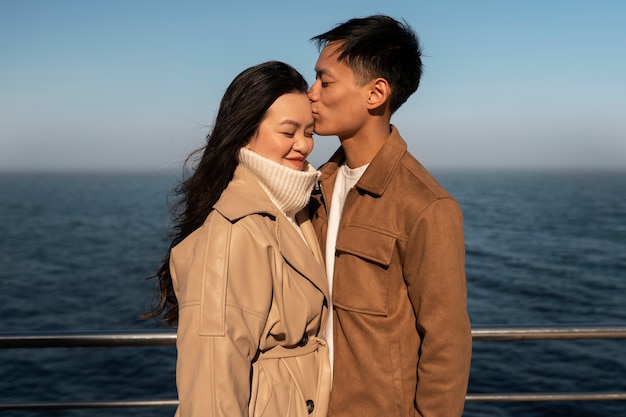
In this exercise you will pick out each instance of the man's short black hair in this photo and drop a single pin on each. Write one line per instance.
(379, 46)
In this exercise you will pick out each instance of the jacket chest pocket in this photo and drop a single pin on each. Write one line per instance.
(362, 270)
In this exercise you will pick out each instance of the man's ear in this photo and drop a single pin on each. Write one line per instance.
(379, 94)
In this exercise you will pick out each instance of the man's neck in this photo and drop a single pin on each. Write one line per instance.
(360, 149)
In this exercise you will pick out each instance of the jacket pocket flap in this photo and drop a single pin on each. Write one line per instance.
(363, 259)
(373, 245)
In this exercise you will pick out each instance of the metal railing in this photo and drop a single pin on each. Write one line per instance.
(117, 339)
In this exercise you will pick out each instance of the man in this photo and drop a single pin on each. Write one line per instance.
(393, 236)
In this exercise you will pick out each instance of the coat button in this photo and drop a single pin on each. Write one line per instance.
(304, 341)
(310, 405)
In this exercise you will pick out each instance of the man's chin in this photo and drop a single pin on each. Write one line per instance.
(322, 132)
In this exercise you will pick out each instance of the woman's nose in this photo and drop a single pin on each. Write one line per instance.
(300, 144)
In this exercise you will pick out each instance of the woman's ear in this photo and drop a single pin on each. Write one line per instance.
(250, 145)
(378, 94)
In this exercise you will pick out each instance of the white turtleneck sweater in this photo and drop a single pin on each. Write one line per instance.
(289, 189)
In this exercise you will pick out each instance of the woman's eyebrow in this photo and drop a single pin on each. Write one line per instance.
(290, 122)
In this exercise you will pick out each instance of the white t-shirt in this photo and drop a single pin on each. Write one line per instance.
(346, 179)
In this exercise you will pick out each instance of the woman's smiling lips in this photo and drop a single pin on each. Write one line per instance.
(296, 161)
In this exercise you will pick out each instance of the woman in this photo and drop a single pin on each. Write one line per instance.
(244, 280)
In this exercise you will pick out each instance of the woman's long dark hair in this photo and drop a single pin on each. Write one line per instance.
(241, 111)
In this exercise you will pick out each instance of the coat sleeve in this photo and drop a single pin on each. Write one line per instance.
(224, 298)
(435, 276)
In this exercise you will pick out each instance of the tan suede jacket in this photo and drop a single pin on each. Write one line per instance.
(253, 302)
(402, 337)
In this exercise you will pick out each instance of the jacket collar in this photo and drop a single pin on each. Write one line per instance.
(244, 197)
(376, 177)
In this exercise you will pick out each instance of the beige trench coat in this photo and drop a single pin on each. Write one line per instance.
(252, 306)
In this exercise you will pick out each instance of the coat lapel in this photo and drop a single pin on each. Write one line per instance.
(245, 196)
(307, 260)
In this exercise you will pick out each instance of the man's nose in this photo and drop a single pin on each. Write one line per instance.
(312, 93)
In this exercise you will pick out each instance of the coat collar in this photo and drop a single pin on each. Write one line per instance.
(244, 197)
(376, 177)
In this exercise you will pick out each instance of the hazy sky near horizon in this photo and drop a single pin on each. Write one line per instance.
(135, 84)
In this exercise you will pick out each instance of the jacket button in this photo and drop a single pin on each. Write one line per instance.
(304, 341)
(310, 405)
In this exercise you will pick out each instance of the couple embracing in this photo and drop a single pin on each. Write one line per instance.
(338, 292)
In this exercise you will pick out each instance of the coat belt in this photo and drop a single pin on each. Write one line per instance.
(314, 343)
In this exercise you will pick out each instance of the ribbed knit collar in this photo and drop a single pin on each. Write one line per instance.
(289, 189)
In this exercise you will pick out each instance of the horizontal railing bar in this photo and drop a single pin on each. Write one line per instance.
(573, 396)
(517, 397)
(86, 339)
(548, 333)
(168, 338)
(89, 404)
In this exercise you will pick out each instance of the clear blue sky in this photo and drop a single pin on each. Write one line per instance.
(135, 84)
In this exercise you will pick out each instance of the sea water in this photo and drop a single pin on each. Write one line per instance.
(543, 249)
